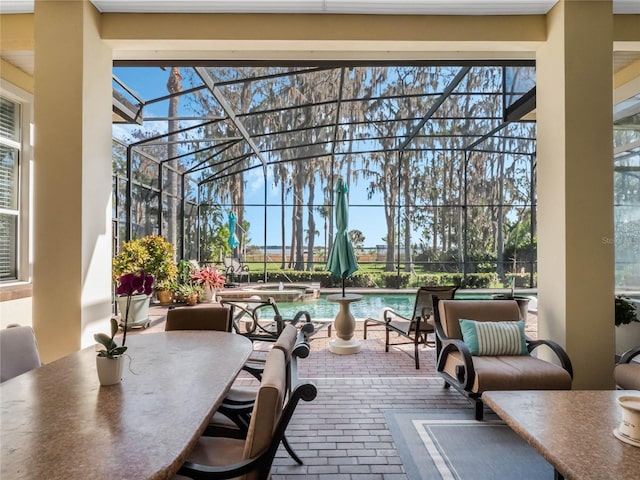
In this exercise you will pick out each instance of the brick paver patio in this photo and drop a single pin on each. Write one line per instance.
(342, 434)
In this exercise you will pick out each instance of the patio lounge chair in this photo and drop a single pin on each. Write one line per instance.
(414, 328)
(476, 362)
(627, 371)
(236, 270)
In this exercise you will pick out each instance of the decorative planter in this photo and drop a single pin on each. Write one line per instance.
(209, 294)
(629, 429)
(138, 310)
(109, 370)
(191, 299)
(523, 303)
(165, 297)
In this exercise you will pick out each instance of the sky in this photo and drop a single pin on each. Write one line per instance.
(151, 82)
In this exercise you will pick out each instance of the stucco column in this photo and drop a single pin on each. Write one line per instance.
(575, 188)
(72, 177)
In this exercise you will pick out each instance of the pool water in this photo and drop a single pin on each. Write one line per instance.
(369, 306)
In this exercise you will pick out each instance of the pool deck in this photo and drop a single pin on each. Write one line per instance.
(343, 434)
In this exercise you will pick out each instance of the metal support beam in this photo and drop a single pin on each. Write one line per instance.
(445, 94)
(211, 85)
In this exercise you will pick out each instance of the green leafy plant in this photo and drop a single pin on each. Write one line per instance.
(111, 348)
(185, 269)
(625, 311)
(152, 253)
(188, 289)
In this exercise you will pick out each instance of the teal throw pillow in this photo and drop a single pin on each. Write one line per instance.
(494, 338)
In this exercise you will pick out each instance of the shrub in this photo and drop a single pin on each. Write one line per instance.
(152, 253)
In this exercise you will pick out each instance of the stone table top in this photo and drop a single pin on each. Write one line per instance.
(572, 430)
(347, 297)
(57, 422)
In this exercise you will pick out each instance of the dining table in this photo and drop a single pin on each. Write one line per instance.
(57, 422)
(572, 429)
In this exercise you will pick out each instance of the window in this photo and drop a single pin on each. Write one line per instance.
(10, 145)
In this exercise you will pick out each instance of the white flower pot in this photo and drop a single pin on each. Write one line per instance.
(209, 294)
(138, 310)
(109, 370)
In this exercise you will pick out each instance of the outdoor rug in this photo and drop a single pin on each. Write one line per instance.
(451, 444)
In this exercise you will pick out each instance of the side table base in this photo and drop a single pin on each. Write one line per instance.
(344, 347)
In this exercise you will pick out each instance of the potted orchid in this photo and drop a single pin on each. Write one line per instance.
(109, 357)
(131, 287)
(211, 279)
(133, 294)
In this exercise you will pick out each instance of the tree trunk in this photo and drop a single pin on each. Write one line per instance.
(311, 223)
(174, 85)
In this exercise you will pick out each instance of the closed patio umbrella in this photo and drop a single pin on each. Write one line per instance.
(342, 261)
(233, 240)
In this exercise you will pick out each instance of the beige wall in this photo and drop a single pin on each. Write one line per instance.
(72, 244)
(575, 188)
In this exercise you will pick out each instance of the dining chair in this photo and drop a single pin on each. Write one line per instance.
(627, 371)
(415, 328)
(238, 404)
(260, 319)
(202, 317)
(18, 351)
(251, 458)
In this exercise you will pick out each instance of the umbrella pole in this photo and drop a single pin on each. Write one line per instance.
(343, 286)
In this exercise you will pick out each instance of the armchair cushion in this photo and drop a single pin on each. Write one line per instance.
(517, 372)
(494, 338)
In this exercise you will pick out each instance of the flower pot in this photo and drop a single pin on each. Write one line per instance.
(523, 303)
(191, 299)
(165, 297)
(209, 294)
(138, 310)
(109, 370)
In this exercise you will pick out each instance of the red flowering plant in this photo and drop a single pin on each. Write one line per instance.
(131, 284)
(209, 276)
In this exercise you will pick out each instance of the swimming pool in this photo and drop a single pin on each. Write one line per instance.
(369, 306)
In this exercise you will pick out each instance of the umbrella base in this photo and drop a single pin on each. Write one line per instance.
(344, 347)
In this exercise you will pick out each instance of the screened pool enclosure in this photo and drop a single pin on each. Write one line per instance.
(439, 159)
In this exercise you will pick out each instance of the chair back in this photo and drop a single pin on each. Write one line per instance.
(267, 409)
(18, 351)
(287, 341)
(204, 317)
(451, 311)
(423, 306)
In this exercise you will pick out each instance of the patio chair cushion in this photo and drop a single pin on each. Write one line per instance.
(204, 317)
(18, 351)
(478, 310)
(627, 376)
(517, 372)
(494, 338)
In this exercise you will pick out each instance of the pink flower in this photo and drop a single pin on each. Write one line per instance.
(135, 284)
(131, 284)
(208, 276)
